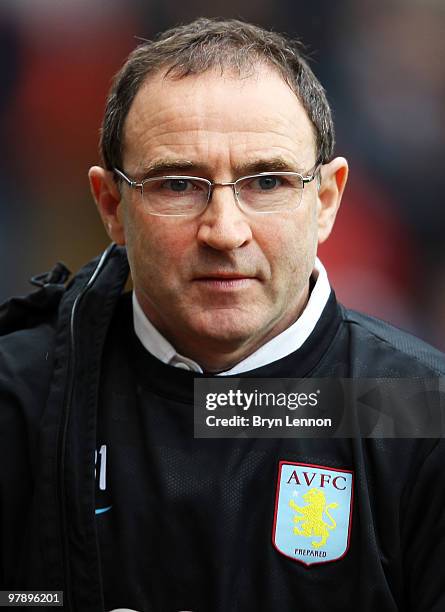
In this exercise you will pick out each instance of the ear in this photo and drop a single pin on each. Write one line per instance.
(333, 181)
(108, 201)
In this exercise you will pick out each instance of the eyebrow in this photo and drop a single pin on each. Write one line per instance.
(165, 167)
(162, 167)
(271, 164)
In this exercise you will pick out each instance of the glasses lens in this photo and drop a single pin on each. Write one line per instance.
(272, 192)
(175, 195)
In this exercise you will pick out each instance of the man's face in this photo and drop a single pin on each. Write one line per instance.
(224, 282)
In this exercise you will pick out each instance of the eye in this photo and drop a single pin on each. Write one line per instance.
(178, 185)
(266, 182)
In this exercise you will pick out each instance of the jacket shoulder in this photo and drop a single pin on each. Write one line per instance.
(27, 333)
(409, 355)
(20, 313)
(31, 326)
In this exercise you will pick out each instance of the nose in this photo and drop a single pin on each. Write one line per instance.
(223, 225)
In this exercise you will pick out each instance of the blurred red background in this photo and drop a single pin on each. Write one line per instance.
(381, 64)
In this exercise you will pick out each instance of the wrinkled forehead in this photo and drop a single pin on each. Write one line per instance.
(196, 114)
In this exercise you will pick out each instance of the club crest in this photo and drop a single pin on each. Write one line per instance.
(313, 512)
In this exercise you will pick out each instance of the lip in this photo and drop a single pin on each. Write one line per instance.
(225, 281)
(223, 276)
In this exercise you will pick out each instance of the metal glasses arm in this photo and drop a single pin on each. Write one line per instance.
(128, 180)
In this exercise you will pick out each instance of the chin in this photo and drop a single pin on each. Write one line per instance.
(230, 327)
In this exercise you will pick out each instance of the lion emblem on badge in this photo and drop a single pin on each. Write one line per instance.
(311, 517)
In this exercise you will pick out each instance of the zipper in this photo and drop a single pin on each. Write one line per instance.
(61, 451)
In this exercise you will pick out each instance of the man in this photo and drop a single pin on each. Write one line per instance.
(218, 183)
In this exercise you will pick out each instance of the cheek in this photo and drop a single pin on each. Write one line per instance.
(290, 249)
(288, 243)
(155, 249)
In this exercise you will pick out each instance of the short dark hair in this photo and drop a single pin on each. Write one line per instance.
(209, 43)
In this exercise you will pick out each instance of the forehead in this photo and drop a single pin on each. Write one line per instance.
(220, 117)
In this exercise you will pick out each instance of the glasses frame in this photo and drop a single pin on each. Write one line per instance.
(212, 184)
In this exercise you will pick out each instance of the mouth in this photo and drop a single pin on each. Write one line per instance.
(226, 281)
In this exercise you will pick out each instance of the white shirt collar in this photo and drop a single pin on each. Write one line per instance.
(285, 343)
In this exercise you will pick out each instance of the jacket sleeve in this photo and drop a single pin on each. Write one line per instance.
(15, 483)
(25, 372)
(423, 534)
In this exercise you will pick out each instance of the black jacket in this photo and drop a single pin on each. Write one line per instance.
(51, 359)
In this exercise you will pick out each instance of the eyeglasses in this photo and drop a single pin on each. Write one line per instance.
(186, 196)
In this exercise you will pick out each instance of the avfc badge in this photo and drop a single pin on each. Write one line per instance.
(313, 512)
